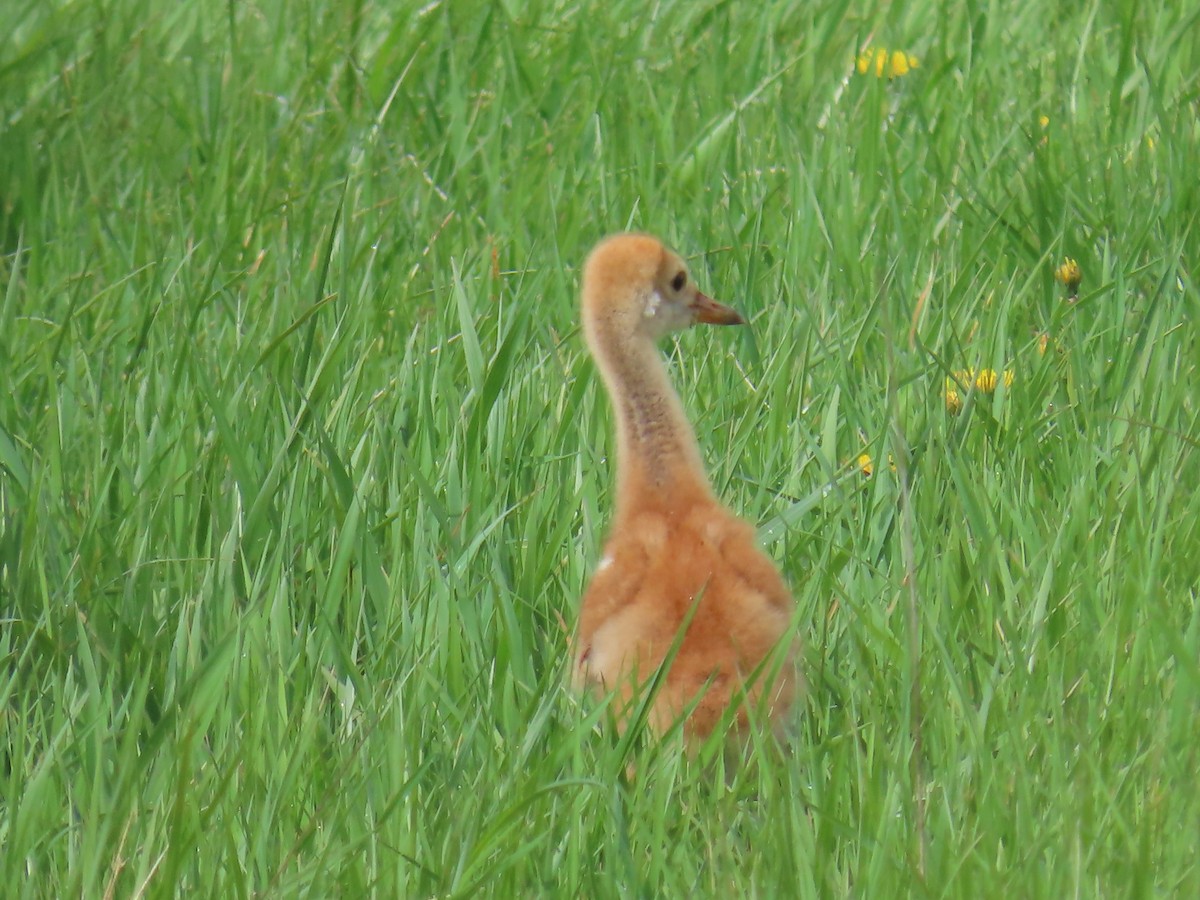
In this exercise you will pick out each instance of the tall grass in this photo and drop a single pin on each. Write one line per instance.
(303, 465)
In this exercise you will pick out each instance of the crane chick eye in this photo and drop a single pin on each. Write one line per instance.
(679, 281)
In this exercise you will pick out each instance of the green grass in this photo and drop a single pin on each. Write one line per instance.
(303, 464)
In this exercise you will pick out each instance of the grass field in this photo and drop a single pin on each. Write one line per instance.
(303, 464)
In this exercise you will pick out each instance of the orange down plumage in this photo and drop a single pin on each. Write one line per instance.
(673, 550)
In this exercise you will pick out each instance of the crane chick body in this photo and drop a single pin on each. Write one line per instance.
(673, 550)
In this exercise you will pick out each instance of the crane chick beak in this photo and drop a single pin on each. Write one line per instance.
(710, 312)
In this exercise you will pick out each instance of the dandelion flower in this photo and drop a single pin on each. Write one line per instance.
(1044, 124)
(866, 464)
(1069, 275)
(884, 63)
(987, 379)
(984, 381)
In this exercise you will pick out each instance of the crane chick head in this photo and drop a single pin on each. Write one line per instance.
(635, 286)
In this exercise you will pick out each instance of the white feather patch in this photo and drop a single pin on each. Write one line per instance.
(652, 305)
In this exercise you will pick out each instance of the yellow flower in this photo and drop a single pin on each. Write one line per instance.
(1069, 275)
(1043, 343)
(867, 465)
(1044, 124)
(885, 64)
(984, 381)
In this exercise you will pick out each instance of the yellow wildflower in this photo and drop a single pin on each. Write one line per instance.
(885, 64)
(1044, 123)
(1069, 275)
(984, 381)
(867, 465)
